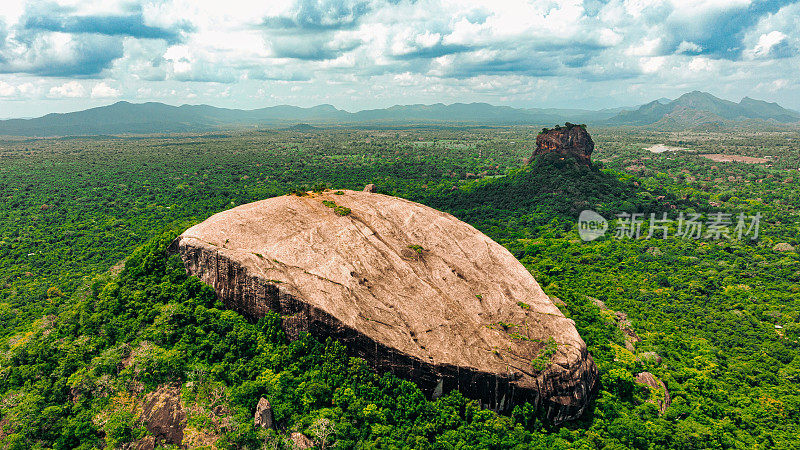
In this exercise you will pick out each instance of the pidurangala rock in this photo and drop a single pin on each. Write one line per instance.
(568, 141)
(412, 290)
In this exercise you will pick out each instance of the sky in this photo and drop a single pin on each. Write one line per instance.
(66, 55)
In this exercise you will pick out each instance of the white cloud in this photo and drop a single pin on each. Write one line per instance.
(766, 42)
(102, 90)
(689, 47)
(652, 65)
(70, 89)
(7, 90)
(700, 64)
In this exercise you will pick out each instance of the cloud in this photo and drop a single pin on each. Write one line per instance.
(49, 39)
(319, 15)
(186, 63)
(3, 33)
(60, 55)
(102, 90)
(370, 51)
(70, 89)
(773, 44)
(717, 29)
(309, 49)
(689, 48)
(123, 25)
(277, 74)
(7, 90)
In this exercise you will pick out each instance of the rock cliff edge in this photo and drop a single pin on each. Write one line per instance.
(567, 141)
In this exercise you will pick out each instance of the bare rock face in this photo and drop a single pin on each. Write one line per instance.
(569, 141)
(164, 415)
(410, 289)
(370, 188)
(263, 415)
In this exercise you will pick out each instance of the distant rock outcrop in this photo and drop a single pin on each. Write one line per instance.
(410, 289)
(263, 415)
(661, 399)
(568, 141)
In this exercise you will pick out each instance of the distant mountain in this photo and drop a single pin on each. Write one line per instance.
(303, 128)
(145, 118)
(697, 108)
(689, 110)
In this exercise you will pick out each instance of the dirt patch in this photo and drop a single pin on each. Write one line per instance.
(661, 148)
(719, 157)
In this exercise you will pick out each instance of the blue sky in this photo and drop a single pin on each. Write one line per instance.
(67, 55)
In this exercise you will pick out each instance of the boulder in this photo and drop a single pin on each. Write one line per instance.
(370, 188)
(569, 141)
(263, 415)
(164, 416)
(631, 338)
(412, 290)
(783, 247)
(662, 400)
(300, 441)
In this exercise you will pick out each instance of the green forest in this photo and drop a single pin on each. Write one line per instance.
(99, 318)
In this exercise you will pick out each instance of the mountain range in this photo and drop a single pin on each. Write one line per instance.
(697, 108)
(691, 109)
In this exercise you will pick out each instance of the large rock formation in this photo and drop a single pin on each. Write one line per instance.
(568, 141)
(410, 289)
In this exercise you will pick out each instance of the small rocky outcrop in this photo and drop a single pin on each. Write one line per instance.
(623, 323)
(783, 247)
(571, 141)
(164, 415)
(263, 415)
(370, 188)
(300, 441)
(661, 399)
(412, 290)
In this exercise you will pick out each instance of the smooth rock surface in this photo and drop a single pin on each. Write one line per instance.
(410, 289)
